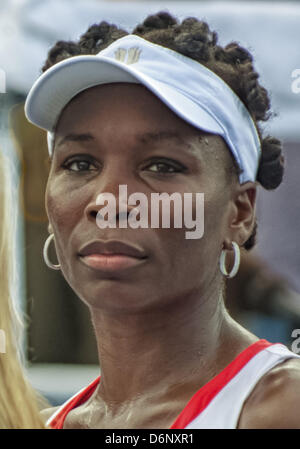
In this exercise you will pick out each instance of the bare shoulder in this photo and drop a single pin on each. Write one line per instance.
(48, 412)
(275, 401)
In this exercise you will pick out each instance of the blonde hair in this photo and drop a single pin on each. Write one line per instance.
(18, 401)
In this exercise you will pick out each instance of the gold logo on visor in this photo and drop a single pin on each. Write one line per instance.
(129, 56)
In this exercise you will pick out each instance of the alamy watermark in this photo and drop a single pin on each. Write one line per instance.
(295, 347)
(2, 91)
(184, 207)
(295, 86)
(2, 81)
(2, 342)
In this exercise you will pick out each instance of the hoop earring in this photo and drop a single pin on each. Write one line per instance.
(45, 254)
(236, 265)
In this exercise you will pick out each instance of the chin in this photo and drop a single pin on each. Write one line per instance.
(113, 295)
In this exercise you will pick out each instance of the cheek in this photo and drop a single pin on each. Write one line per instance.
(63, 204)
(65, 210)
(195, 247)
(59, 209)
(215, 228)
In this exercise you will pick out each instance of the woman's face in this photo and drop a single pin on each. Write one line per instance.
(121, 134)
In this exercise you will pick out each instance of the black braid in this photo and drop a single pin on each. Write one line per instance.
(98, 37)
(193, 38)
(61, 50)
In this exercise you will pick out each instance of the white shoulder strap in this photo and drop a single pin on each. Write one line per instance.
(224, 410)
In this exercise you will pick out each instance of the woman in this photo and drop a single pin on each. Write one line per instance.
(161, 110)
(19, 402)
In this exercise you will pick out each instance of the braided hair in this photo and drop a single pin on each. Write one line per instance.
(194, 39)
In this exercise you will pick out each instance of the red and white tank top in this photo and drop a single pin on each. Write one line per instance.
(216, 405)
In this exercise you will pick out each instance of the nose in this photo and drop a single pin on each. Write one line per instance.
(115, 205)
(111, 194)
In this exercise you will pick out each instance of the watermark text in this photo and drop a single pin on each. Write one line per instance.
(187, 210)
(295, 86)
(2, 81)
(2, 342)
(296, 343)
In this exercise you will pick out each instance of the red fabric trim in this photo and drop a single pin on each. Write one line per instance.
(196, 404)
(205, 394)
(58, 421)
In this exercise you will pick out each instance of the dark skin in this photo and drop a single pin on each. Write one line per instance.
(162, 329)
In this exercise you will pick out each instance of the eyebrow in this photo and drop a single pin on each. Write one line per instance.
(144, 138)
(73, 137)
(154, 137)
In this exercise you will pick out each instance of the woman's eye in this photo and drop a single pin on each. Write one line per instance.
(165, 167)
(78, 165)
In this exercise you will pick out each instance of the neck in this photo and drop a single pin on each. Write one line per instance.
(148, 353)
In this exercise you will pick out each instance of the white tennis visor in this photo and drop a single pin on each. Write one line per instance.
(189, 89)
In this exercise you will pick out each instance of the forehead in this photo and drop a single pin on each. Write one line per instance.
(119, 101)
(130, 109)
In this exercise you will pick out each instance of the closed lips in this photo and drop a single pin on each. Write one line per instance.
(112, 247)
